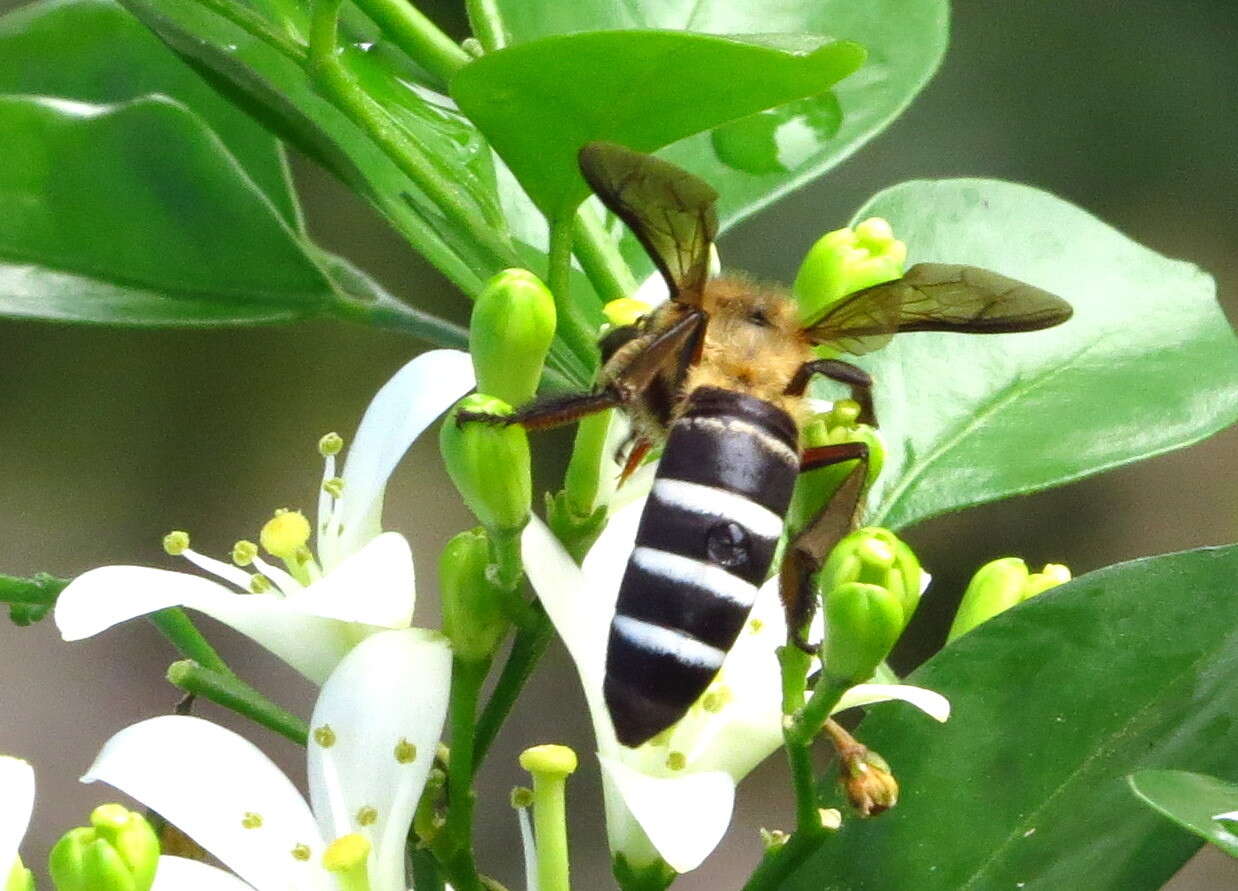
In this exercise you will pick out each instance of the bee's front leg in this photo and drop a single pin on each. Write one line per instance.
(554, 411)
(859, 380)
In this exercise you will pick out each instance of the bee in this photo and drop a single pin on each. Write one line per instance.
(718, 376)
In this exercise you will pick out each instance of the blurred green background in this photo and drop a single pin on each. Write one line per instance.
(109, 438)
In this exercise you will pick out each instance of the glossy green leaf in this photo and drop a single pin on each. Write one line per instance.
(539, 102)
(754, 161)
(1148, 363)
(263, 66)
(1053, 703)
(1192, 801)
(137, 213)
(94, 51)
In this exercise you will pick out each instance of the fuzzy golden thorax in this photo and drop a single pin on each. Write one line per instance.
(753, 343)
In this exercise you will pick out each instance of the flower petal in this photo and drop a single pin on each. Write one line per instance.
(407, 404)
(530, 849)
(223, 793)
(389, 693)
(103, 597)
(683, 816)
(16, 806)
(374, 586)
(580, 617)
(931, 703)
(183, 874)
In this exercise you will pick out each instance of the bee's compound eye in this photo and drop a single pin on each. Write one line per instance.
(728, 544)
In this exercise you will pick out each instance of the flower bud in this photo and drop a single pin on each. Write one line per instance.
(814, 489)
(473, 617)
(845, 261)
(489, 463)
(862, 624)
(117, 852)
(867, 781)
(875, 556)
(512, 326)
(999, 585)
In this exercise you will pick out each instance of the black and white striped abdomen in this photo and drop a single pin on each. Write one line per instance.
(705, 543)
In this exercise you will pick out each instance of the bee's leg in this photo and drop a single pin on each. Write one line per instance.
(554, 411)
(671, 345)
(806, 553)
(857, 378)
(640, 448)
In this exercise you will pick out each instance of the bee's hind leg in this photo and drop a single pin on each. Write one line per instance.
(859, 380)
(807, 552)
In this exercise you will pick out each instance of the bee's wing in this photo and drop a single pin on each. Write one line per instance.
(937, 297)
(668, 209)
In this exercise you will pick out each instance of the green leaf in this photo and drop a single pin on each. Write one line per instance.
(94, 51)
(1147, 364)
(1192, 801)
(263, 65)
(1053, 703)
(137, 213)
(539, 102)
(754, 161)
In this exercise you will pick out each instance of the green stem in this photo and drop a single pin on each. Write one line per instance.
(417, 36)
(527, 649)
(346, 94)
(466, 681)
(600, 259)
(253, 24)
(487, 24)
(177, 627)
(778, 865)
(573, 329)
(807, 724)
(236, 695)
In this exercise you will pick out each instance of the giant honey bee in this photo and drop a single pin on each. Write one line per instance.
(718, 375)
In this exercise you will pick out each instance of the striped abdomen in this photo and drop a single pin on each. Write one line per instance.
(705, 543)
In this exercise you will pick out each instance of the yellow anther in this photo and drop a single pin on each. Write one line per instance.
(755, 626)
(324, 736)
(259, 584)
(367, 816)
(176, 542)
(549, 759)
(676, 760)
(285, 533)
(522, 797)
(244, 552)
(625, 311)
(773, 839)
(347, 853)
(301, 852)
(334, 486)
(716, 698)
(330, 444)
(251, 820)
(405, 752)
(830, 817)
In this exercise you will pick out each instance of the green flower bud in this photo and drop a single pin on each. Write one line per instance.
(473, 617)
(489, 463)
(20, 878)
(814, 489)
(999, 585)
(510, 333)
(862, 622)
(875, 556)
(844, 261)
(118, 852)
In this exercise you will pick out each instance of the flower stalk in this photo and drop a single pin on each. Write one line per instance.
(235, 695)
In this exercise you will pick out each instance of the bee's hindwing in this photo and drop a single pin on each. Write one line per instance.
(705, 544)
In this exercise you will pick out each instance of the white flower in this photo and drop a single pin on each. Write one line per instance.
(375, 728)
(672, 797)
(16, 806)
(314, 612)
